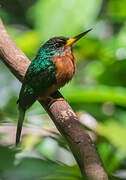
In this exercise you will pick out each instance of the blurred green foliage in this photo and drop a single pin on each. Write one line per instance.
(98, 87)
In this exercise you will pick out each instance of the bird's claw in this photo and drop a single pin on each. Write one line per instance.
(54, 100)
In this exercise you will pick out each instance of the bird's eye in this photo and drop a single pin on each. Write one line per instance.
(59, 44)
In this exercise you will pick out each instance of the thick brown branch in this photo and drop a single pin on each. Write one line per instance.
(61, 113)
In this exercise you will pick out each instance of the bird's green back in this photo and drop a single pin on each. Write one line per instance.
(40, 75)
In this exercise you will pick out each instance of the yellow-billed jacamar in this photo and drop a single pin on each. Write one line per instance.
(51, 69)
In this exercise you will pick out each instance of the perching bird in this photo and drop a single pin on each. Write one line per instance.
(52, 68)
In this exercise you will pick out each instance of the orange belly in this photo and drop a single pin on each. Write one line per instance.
(65, 69)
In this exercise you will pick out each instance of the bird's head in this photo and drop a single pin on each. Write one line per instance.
(62, 43)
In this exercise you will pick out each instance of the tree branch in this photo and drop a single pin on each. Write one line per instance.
(61, 113)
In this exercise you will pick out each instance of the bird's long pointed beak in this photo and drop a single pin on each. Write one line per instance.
(71, 41)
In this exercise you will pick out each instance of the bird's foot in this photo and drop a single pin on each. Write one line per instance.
(54, 100)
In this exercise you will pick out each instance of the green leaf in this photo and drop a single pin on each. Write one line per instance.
(7, 157)
(97, 94)
(114, 132)
(32, 168)
(116, 9)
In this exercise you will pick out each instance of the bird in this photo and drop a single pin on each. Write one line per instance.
(53, 67)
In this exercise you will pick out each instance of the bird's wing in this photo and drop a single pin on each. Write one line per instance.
(39, 77)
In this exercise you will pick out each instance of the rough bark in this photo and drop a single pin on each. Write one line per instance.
(61, 113)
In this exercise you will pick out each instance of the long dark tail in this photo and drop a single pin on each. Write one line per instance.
(20, 123)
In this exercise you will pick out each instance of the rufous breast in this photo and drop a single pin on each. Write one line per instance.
(65, 66)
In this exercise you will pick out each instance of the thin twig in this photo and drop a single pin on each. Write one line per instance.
(9, 139)
(61, 113)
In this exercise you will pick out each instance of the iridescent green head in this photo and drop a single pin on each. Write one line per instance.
(56, 43)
